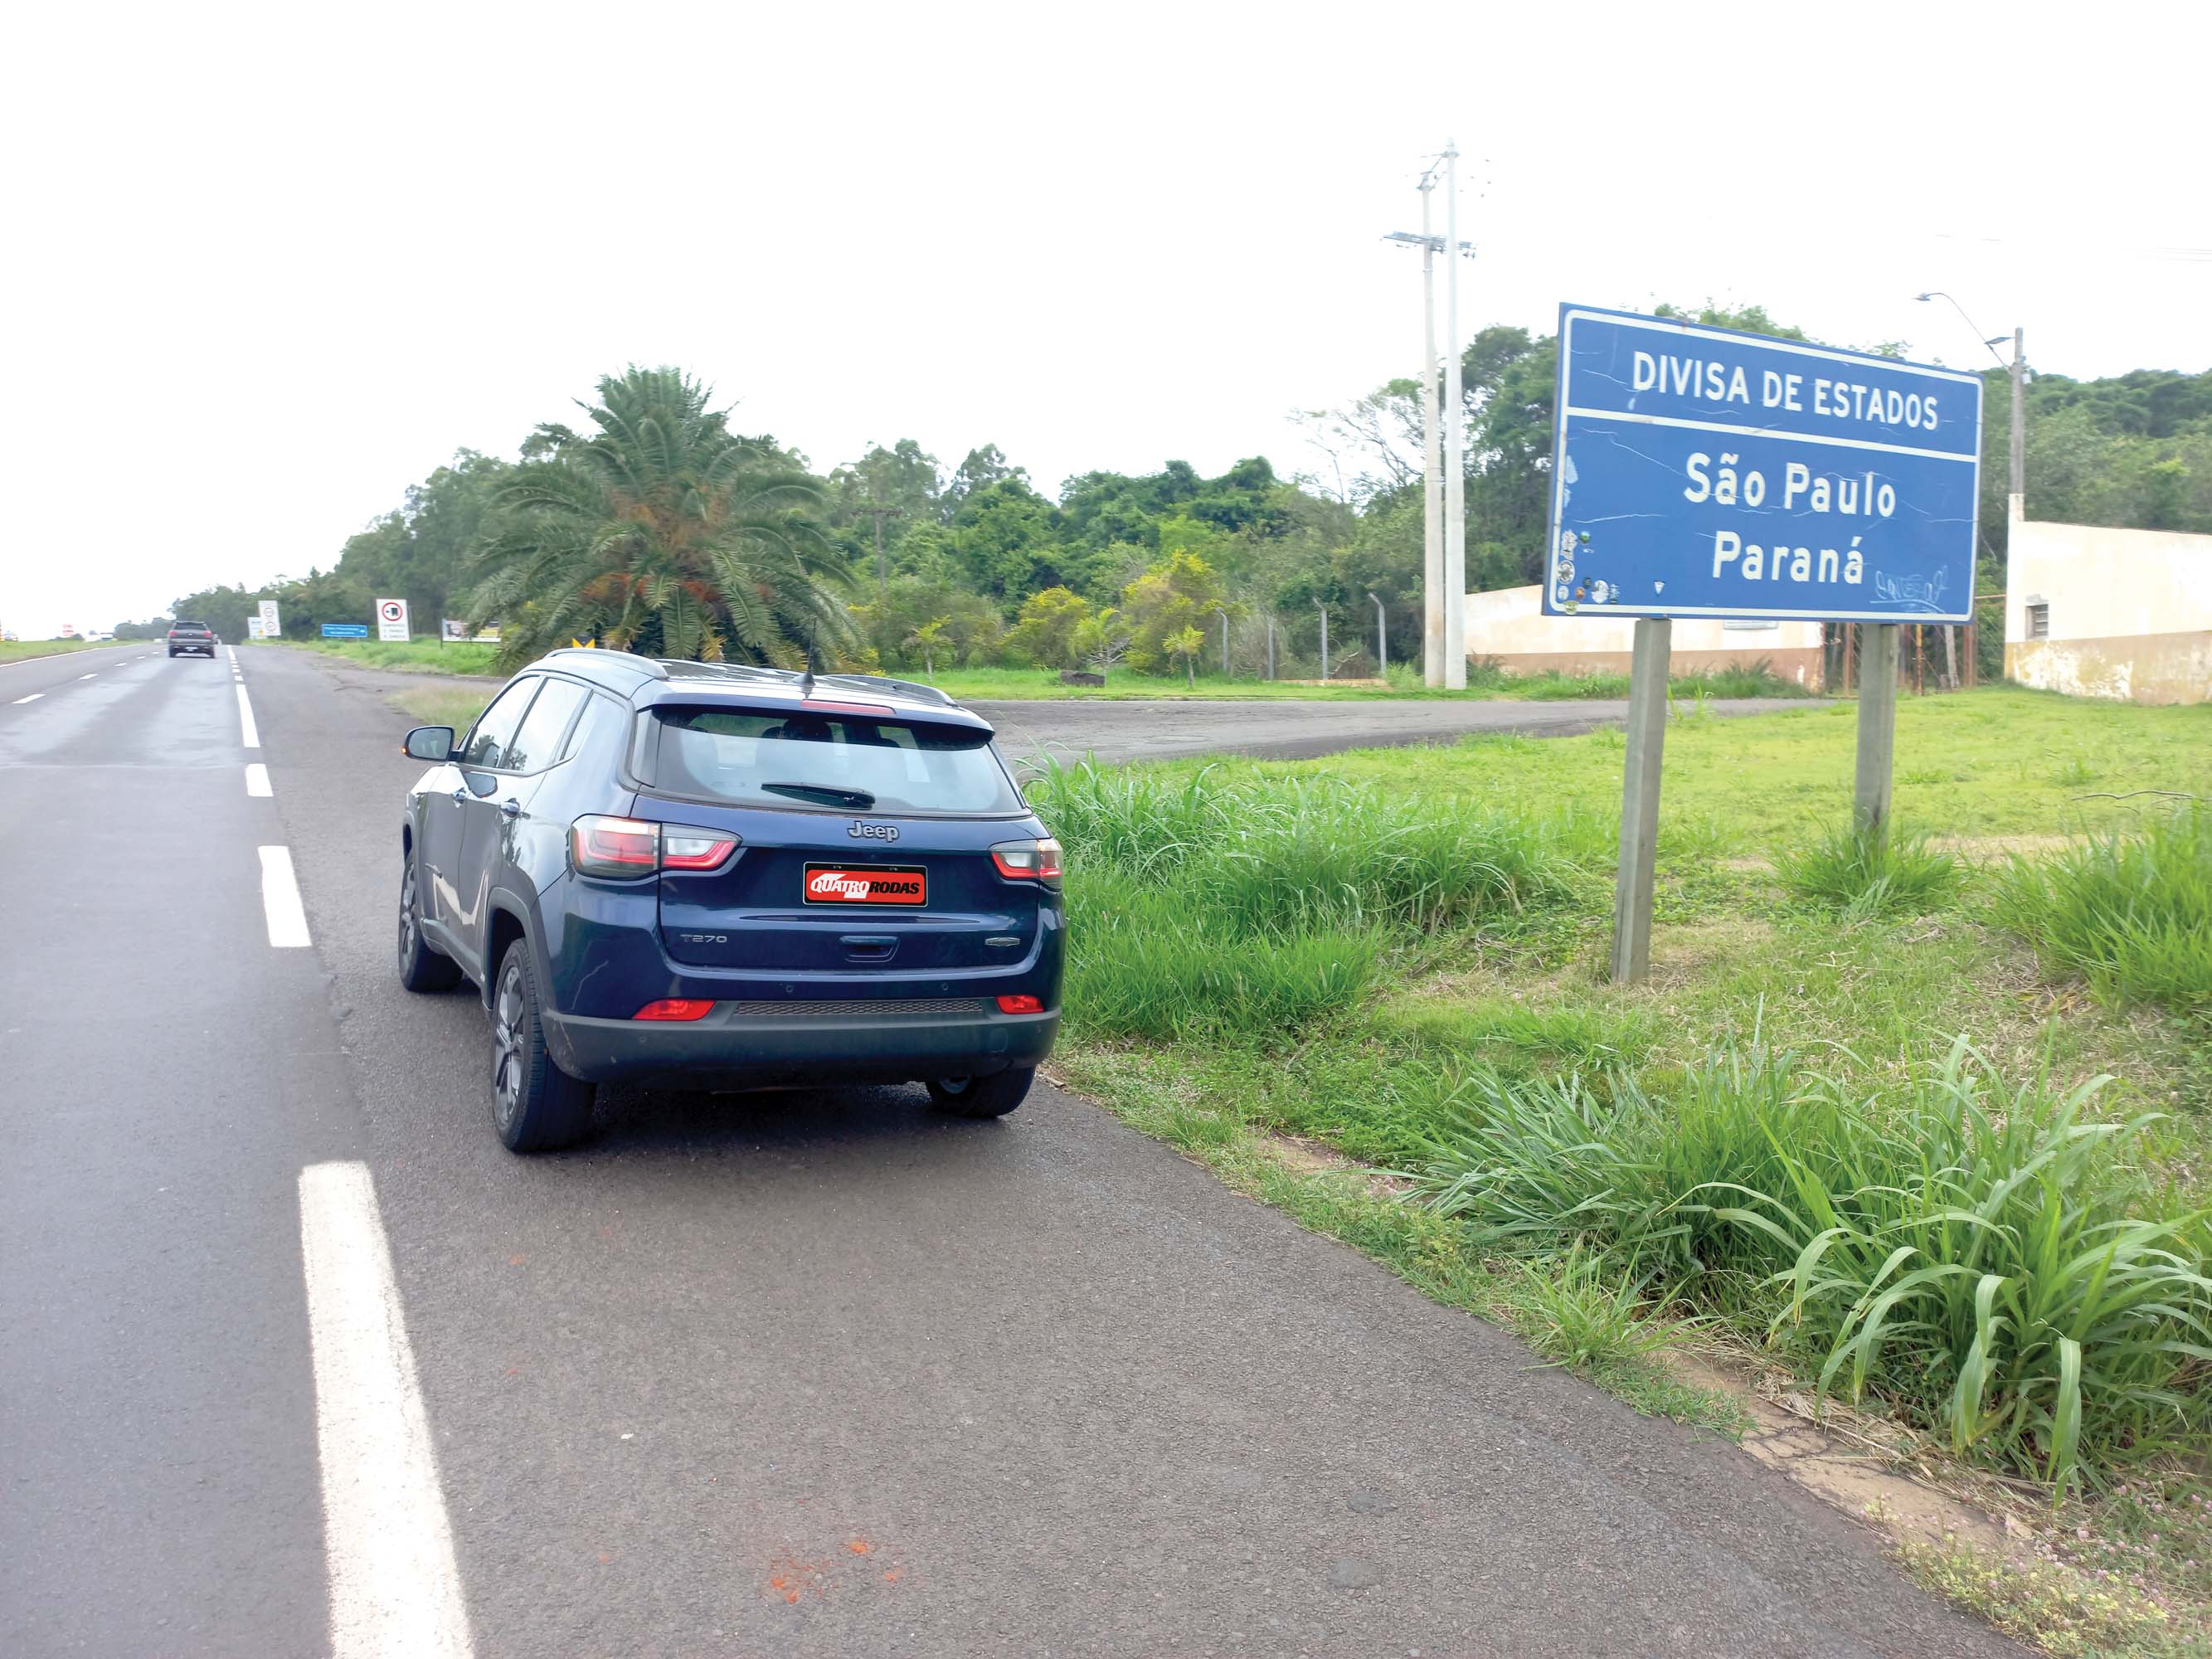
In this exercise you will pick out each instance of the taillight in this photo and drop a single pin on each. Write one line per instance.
(600, 846)
(683, 848)
(1020, 1005)
(1028, 860)
(621, 847)
(676, 1008)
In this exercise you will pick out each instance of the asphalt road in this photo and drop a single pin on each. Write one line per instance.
(793, 1375)
(1163, 728)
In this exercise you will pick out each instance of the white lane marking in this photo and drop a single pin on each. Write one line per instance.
(395, 1587)
(34, 697)
(248, 732)
(257, 778)
(91, 676)
(280, 899)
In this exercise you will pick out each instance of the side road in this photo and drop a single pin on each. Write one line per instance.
(824, 1373)
(1164, 729)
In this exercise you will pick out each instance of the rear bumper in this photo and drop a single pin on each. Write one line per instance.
(739, 1047)
(205, 648)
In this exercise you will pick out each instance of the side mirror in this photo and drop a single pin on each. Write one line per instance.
(430, 742)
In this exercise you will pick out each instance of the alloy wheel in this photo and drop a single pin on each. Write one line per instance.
(507, 1045)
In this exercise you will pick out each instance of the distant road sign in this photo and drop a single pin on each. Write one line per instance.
(1701, 472)
(391, 620)
(270, 628)
(345, 630)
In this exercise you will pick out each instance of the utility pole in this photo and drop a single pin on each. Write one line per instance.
(2018, 505)
(1382, 638)
(1224, 615)
(880, 513)
(1323, 609)
(1454, 470)
(1432, 472)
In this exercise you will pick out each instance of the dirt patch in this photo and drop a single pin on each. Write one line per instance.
(1317, 1158)
(1990, 848)
(1867, 1465)
(1677, 951)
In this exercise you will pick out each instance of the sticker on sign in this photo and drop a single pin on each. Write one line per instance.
(391, 620)
(866, 883)
(1701, 472)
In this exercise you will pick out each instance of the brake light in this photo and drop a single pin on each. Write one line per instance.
(618, 849)
(1020, 1005)
(1028, 860)
(676, 1008)
(823, 706)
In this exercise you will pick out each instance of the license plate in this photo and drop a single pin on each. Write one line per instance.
(866, 883)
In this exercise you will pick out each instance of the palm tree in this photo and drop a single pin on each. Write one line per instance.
(661, 529)
(925, 638)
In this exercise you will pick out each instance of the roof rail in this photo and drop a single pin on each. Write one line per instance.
(914, 690)
(602, 653)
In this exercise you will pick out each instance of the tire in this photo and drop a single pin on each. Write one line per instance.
(536, 1107)
(421, 968)
(981, 1096)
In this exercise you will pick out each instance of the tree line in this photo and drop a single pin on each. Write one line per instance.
(654, 524)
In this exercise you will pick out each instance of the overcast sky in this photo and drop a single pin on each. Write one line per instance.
(268, 266)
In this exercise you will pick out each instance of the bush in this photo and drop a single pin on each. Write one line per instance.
(1886, 871)
(1978, 1254)
(2132, 914)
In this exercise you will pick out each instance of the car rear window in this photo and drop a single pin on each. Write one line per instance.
(833, 763)
(182, 627)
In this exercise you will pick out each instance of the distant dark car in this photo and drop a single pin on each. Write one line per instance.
(699, 875)
(191, 636)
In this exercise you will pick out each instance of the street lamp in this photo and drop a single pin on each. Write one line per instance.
(2018, 369)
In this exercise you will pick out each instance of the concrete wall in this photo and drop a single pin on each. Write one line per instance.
(2130, 611)
(1507, 626)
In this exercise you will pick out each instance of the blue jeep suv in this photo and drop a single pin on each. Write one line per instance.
(702, 875)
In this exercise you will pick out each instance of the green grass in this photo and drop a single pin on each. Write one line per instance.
(433, 705)
(1860, 874)
(414, 657)
(24, 650)
(1983, 1254)
(2131, 912)
(1970, 765)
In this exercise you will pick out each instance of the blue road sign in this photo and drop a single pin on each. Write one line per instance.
(345, 630)
(1701, 472)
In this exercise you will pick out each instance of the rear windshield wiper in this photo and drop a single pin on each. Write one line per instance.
(828, 795)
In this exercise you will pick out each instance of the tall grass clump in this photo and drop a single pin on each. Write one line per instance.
(2131, 913)
(1143, 963)
(1981, 1254)
(1748, 679)
(1866, 873)
(1256, 853)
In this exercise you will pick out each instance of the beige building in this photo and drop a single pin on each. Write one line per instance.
(2109, 613)
(1507, 626)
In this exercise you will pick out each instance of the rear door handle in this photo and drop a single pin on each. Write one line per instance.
(868, 947)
